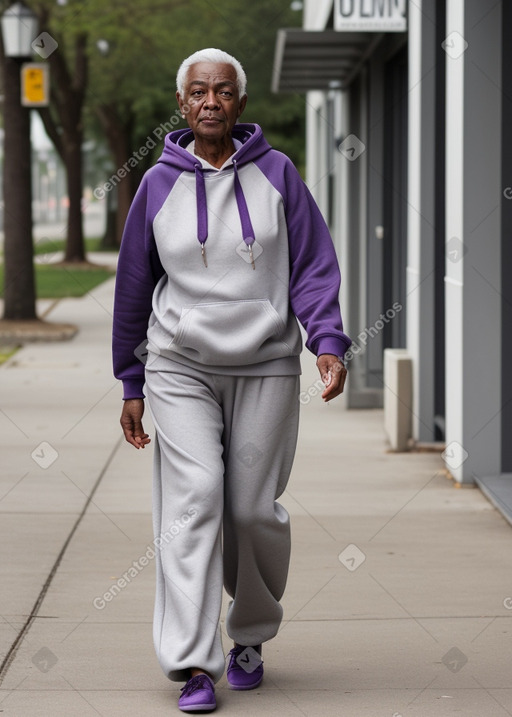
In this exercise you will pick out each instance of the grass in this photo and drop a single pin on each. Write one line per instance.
(6, 352)
(54, 281)
(58, 282)
(49, 246)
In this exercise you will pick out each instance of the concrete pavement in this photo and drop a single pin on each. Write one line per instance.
(400, 592)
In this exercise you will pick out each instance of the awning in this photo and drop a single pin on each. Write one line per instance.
(319, 60)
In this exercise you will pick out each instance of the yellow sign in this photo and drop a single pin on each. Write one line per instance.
(34, 85)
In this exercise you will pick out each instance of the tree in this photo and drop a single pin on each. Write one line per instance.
(133, 88)
(67, 133)
(249, 33)
(19, 284)
(114, 74)
(134, 79)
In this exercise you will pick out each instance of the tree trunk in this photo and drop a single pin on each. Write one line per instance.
(19, 281)
(109, 239)
(75, 250)
(64, 125)
(118, 134)
(124, 200)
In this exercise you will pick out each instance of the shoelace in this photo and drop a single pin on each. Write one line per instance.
(194, 684)
(234, 653)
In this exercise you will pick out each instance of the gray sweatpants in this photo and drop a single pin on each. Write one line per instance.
(224, 449)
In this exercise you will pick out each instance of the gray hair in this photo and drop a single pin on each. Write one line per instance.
(211, 54)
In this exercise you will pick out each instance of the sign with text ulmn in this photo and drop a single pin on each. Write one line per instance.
(370, 15)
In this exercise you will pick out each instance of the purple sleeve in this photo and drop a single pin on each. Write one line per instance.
(314, 271)
(138, 272)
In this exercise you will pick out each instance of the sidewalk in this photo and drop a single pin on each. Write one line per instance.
(397, 599)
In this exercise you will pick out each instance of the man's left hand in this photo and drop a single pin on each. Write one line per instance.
(333, 374)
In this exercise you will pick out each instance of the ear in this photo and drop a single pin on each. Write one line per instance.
(180, 104)
(241, 105)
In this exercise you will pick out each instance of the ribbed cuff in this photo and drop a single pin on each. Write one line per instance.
(132, 388)
(332, 345)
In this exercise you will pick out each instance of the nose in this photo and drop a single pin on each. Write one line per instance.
(211, 101)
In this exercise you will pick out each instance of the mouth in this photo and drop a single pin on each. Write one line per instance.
(210, 120)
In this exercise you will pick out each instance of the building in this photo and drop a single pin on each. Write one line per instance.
(409, 157)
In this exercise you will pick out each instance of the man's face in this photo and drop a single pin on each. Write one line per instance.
(210, 100)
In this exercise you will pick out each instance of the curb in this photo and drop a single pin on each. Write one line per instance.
(12, 330)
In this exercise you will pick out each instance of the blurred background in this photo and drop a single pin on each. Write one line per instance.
(112, 84)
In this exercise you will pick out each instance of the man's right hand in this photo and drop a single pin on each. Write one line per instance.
(131, 422)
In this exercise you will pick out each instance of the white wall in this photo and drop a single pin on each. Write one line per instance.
(473, 227)
(421, 218)
(316, 14)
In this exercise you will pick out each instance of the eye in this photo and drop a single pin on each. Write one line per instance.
(226, 93)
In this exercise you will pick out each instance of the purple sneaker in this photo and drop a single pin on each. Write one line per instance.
(198, 695)
(245, 669)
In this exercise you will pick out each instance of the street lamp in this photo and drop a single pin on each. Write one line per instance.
(19, 29)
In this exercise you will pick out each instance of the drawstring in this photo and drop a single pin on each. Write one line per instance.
(202, 212)
(245, 219)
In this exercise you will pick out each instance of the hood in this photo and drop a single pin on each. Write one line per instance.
(176, 155)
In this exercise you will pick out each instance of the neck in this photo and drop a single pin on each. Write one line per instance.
(215, 153)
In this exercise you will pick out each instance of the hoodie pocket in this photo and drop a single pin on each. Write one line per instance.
(231, 333)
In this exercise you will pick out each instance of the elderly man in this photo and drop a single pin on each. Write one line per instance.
(223, 250)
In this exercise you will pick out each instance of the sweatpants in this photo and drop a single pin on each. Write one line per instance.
(223, 453)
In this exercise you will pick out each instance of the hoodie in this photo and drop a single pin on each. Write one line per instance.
(217, 265)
